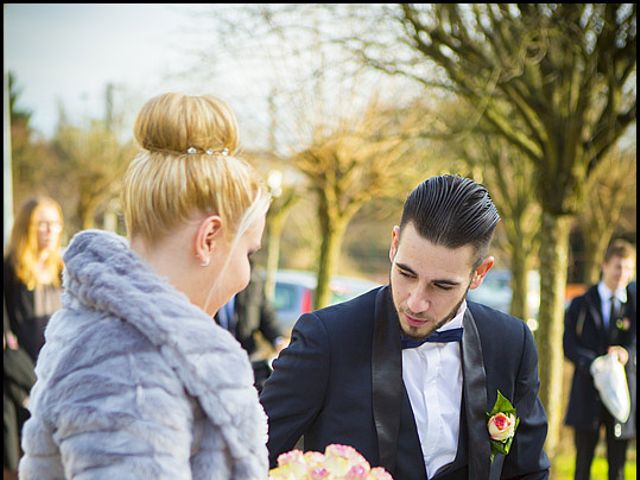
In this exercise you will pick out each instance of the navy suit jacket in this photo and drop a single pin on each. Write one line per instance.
(340, 381)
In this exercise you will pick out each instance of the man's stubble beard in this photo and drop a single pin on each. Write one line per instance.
(438, 324)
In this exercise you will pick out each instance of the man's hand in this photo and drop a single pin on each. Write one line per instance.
(11, 341)
(620, 352)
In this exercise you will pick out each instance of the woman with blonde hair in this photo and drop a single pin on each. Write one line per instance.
(33, 271)
(136, 380)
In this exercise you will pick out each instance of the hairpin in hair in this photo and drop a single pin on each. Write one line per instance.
(209, 151)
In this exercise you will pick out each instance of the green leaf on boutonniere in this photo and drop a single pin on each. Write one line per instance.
(502, 405)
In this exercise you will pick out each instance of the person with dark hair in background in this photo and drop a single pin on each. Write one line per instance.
(408, 373)
(248, 314)
(600, 322)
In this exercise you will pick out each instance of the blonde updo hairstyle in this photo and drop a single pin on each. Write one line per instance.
(188, 166)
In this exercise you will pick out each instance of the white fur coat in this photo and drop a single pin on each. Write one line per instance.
(135, 382)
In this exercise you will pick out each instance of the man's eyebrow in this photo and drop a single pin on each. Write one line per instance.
(406, 268)
(443, 281)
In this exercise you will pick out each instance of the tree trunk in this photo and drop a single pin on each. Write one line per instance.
(595, 247)
(86, 212)
(332, 236)
(592, 259)
(554, 261)
(519, 282)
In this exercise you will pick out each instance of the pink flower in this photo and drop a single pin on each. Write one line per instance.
(319, 473)
(313, 459)
(357, 472)
(339, 462)
(294, 456)
(502, 426)
(379, 473)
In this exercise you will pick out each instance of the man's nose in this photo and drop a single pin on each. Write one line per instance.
(418, 301)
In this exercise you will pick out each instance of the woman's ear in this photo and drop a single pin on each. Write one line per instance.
(209, 231)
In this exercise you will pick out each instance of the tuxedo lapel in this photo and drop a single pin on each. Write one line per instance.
(595, 306)
(387, 378)
(475, 395)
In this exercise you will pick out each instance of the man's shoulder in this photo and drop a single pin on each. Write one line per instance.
(341, 315)
(590, 296)
(489, 319)
(482, 311)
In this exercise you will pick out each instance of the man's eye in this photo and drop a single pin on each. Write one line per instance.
(444, 287)
(405, 274)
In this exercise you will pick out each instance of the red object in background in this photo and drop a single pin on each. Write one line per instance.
(307, 301)
(574, 289)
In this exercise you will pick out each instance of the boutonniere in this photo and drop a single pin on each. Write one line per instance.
(502, 423)
(623, 324)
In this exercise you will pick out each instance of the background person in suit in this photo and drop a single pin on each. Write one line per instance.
(419, 411)
(248, 314)
(602, 320)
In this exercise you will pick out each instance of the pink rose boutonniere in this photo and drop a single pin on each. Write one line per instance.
(502, 423)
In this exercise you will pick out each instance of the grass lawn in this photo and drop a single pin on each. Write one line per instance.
(563, 468)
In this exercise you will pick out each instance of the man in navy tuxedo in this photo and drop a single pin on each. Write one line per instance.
(407, 372)
(602, 321)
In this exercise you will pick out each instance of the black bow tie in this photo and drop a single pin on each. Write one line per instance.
(453, 335)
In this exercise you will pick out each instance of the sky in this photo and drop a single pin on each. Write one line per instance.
(62, 53)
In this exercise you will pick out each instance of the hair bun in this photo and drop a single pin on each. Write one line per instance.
(183, 124)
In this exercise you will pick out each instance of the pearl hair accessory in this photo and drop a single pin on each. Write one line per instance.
(209, 151)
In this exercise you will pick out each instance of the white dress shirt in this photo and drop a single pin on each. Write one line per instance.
(605, 299)
(432, 375)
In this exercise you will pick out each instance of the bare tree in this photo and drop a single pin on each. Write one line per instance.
(93, 160)
(361, 159)
(508, 178)
(608, 189)
(35, 168)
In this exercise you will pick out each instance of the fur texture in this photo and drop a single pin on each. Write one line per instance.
(136, 382)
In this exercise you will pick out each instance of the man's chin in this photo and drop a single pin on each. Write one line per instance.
(417, 332)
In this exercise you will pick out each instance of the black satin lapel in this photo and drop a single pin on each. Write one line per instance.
(386, 366)
(475, 395)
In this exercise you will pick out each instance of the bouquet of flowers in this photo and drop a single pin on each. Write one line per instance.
(339, 462)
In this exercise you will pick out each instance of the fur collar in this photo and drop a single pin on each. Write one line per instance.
(103, 274)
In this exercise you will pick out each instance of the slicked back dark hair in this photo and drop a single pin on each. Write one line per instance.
(452, 211)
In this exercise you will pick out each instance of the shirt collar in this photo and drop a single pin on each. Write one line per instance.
(606, 293)
(455, 322)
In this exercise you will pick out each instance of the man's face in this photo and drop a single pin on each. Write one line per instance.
(429, 282)
(617, 272)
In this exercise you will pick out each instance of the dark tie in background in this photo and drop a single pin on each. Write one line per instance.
(613, 312)
(453, 335)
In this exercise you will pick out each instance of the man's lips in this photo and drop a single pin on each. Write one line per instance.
(414, 322)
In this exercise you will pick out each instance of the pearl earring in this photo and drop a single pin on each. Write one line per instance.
(205, 262)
